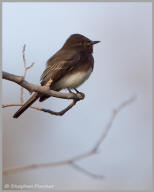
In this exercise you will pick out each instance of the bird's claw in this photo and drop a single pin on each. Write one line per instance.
(81, 95)
(78, 95)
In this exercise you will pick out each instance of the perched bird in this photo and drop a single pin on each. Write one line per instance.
(66, 69)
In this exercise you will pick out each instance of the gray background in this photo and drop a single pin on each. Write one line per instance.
(123, 63)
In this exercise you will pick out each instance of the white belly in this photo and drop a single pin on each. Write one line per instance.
(73, 80)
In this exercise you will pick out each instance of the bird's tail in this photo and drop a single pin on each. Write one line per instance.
(27, 104)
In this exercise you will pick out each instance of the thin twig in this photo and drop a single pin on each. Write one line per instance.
(111, 121)
(16, 105)
(61, 112)
(25, 73)
(45, 110)
(86, 172)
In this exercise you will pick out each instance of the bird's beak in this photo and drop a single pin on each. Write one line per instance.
(94, 42)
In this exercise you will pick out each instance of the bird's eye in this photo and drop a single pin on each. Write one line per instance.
(89, 43)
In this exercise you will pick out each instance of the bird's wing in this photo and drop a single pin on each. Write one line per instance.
(59, 64)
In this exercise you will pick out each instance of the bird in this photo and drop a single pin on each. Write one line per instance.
(67, 69)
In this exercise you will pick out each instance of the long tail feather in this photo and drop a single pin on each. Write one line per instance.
(26, 105)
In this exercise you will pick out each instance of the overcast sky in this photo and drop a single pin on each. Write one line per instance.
(123, 63)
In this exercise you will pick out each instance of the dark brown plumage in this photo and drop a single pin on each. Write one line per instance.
(68, 68)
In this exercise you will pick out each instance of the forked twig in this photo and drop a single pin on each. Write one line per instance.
(25, 73)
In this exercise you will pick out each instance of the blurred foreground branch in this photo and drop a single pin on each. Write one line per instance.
(73, 161)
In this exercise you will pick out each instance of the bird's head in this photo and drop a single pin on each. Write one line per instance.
(79, 42)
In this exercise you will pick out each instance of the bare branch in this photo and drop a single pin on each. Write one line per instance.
(72, 161)
(40, 89)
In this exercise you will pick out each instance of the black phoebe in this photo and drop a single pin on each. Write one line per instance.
(66, 69)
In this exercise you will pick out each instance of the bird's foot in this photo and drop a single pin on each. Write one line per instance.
(74, 94)
(82, 95)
